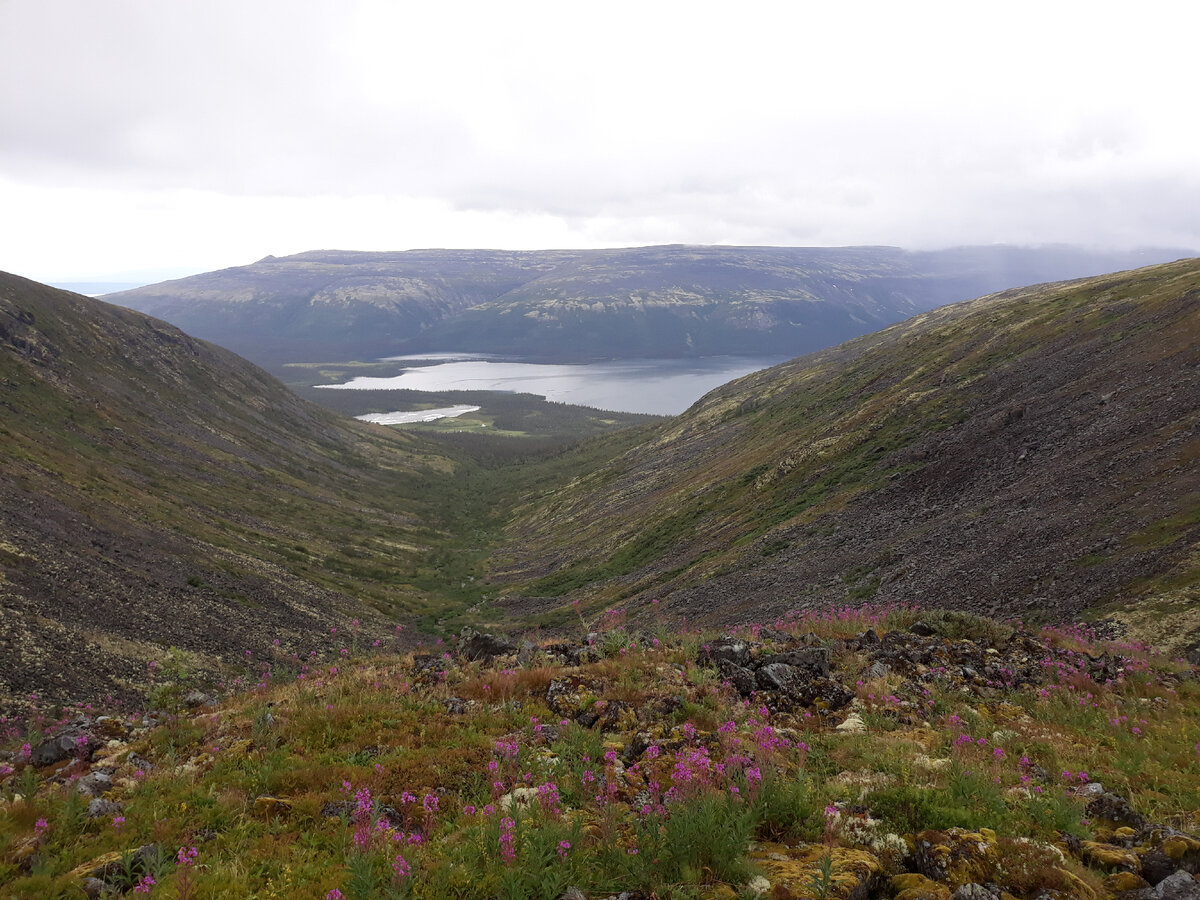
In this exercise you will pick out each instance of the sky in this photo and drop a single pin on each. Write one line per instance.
(143, 139)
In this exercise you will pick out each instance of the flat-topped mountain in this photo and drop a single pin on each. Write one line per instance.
(1032, 453)
(156, 490)
(647, 301)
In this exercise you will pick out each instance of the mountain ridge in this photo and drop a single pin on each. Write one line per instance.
(671, 300)
(860, 471)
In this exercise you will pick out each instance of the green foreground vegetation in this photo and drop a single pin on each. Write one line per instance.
(368, 773)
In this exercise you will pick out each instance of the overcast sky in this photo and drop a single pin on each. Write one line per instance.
(162, 136)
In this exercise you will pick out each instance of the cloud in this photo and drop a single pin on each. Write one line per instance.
(350, 124)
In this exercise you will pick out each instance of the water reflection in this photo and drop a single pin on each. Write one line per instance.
(662, 386)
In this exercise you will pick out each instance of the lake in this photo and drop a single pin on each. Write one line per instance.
(660, 386)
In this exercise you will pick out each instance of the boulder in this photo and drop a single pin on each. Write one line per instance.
(478, 645)
(732, 649)
(813, 661)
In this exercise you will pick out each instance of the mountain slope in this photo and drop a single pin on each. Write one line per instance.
(1031, 453)
(648, 301)
(157, 490)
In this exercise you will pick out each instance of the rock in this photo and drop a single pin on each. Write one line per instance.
(742, 679)
(571, 695)
(99, 808)
(196, 699)
(877, 669)
(972, 891)
(1180, 886)
(526, 653)
(854, 874)
(781, 677)
(475, 645)
(732, 649)
(914, 886)
(812, 661)
(94, 783)
(1125, 881)
(73, 742)
(1109, 857)
(1111, 808)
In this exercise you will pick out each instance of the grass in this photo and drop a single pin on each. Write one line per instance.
(363, 763)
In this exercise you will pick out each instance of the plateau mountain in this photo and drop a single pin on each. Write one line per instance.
(666, 301)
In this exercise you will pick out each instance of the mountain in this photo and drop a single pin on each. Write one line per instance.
(648, 301)
(1032, 453)
(156, 491)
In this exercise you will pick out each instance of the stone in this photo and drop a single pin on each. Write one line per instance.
(732, 649)
(475, 645)
(972, 891)
(1125, 881)
(526, 653)
(99, 808)
(571, 695)
(780, 677)
(742, 679)
(1180, 886)
(73, 742)
(94, 783)
(793, 871)
(196, 699)
(457, 706)
(1109, 857)
(813, 661)
(1110, 807)
(914, 886)
(877, 669)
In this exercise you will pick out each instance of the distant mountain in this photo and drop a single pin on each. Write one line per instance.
(1035, 453)
(649, 301)
(157, 491)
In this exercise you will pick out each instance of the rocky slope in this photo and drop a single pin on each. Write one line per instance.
(156, 490)
(847, 754)
(650, 301)
(1032, 453)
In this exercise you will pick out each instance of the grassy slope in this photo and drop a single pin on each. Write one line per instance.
(1028, 453)
(265, 787)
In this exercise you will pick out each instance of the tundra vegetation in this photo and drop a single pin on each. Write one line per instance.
(856, 751)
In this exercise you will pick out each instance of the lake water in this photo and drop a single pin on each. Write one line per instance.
(421, 415)
(660, 386)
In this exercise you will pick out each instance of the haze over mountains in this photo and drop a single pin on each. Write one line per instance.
(664, 301)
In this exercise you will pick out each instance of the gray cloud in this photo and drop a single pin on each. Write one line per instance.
(533, 124)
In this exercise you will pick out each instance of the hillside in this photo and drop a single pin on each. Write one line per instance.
(156, 491)
(1029, 454)
(649, 301)
(850, 754)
